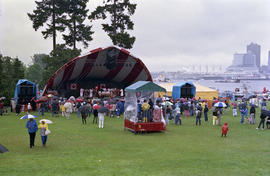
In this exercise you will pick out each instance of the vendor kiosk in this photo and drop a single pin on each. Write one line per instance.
(142, 90)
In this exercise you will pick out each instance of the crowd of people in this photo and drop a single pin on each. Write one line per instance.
(188, 107)
(147, 111)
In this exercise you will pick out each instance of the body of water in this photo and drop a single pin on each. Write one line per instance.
(251, 85)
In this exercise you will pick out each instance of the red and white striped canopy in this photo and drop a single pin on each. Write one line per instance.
(109, 64)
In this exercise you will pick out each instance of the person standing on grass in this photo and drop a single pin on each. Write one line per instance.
(219, 113)
(168, 114)
(29, 108)
(178, 115)
(83, 110)
(215, 114)
(186, 108)
(198, 113)
(101, 113)
(234, 110)
(1, 108)
(224, 130)
(264, 114)
(95, 112)
(205, 112)
(18, 109)
(43, 127)
(63, 110)
(252, 115)
(264, 104)
(42, 108)
(32, 127)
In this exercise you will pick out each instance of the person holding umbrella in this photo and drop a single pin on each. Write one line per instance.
(43, 127)
(32, 127)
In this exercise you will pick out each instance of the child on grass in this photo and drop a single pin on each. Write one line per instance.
(225, 129)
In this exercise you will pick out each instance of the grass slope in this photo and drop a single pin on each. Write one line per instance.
(76, 149)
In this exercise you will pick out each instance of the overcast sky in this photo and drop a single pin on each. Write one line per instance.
(168, 33)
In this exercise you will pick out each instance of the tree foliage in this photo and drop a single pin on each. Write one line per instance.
(34, 71)
(55, 60)
(49, 13)
(78, 31)
(11, 70)
(119, 12)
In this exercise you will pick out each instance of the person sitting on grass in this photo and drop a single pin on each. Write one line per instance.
(224, 130)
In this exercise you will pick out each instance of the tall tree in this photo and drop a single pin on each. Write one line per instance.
(34, 71)
(11, 70)
(49, 13)
(78, 31)
(119, 12)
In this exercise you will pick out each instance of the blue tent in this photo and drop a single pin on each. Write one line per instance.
(184, 90)
(25, 89)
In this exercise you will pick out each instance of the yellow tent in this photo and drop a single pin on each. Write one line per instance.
(201, 91)
(168, 87)
(205, 92)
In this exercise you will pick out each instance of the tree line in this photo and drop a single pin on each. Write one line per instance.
(71, 19)
(11, 70)
(68, 17)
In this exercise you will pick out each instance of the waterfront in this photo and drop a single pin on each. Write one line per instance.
(251, 85)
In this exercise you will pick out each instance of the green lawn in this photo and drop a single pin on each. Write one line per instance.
(76, 149)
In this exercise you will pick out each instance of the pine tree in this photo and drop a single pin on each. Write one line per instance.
(119, 12)
(78, 32)
(49, 13)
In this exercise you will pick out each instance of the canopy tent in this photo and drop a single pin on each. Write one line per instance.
(24, 91)
(201, 91)
(140, 90)
(144, 86)
(184, 90)
(114, 67)
(3, 149)
(168, 87)
(205, 92)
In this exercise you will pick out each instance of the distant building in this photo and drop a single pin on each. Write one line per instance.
(238, 60)
(269, 61)
(249, 59)
(256, 50)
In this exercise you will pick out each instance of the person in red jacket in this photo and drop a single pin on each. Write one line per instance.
(225, 129)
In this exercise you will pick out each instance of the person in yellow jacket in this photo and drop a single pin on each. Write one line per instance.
(145, 110)
(63, 109)
(215, 116)
(43, 127)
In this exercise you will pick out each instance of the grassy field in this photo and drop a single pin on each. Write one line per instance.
(76, 149)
